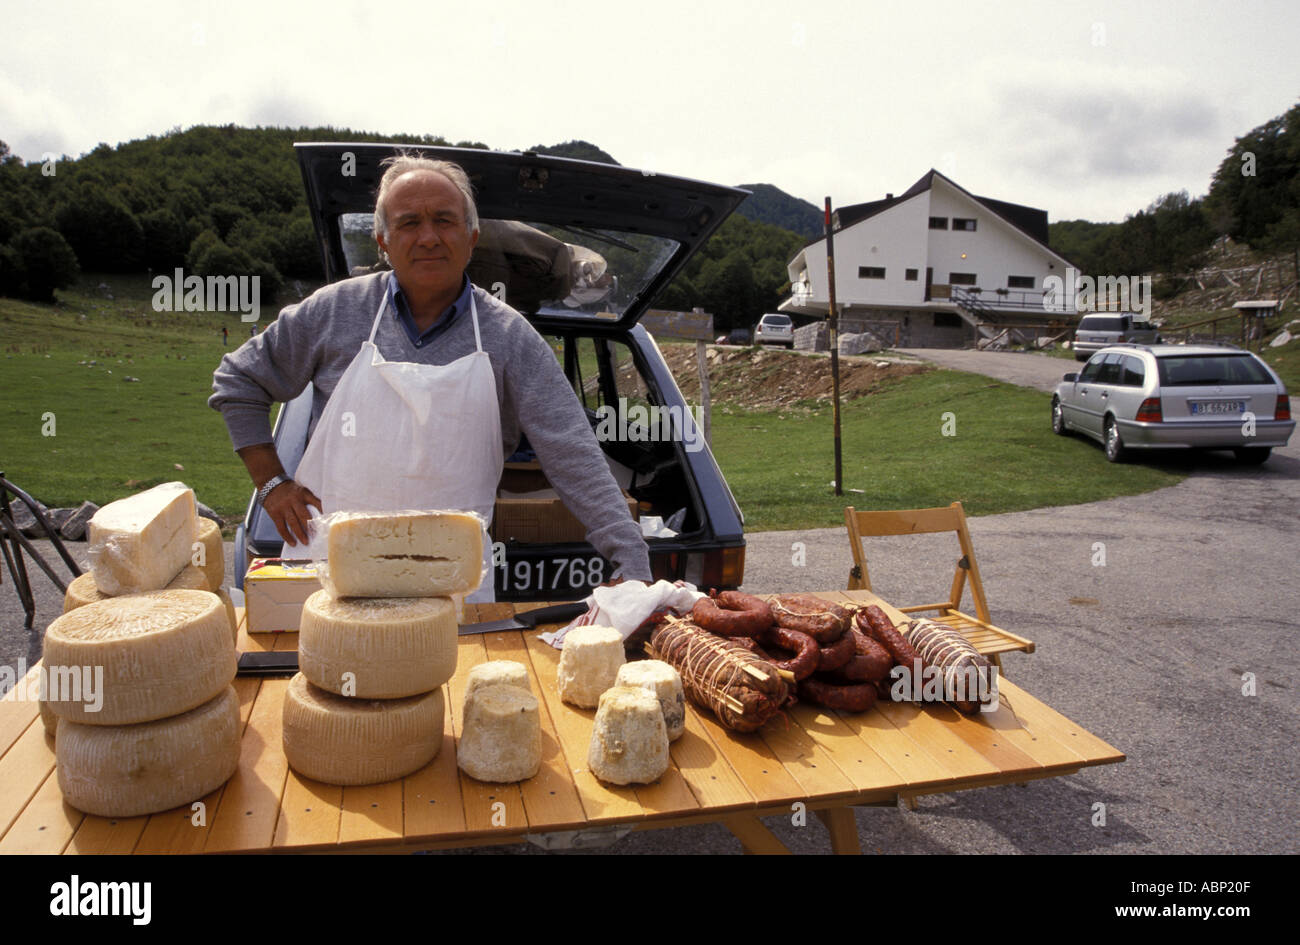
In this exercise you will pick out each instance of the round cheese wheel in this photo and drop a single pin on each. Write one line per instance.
(83, 590)
(377, 648)
(129, 770)
(345, 741)
(214, 553)
(139, 657)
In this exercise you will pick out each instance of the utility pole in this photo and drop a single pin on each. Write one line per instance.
(835, 350)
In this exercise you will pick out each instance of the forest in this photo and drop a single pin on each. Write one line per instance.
(229, 201)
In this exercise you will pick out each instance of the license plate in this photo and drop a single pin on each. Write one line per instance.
(541, 575)
(1201, 408)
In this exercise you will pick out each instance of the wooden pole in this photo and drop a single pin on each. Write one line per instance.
(702, 362)
(834, 325)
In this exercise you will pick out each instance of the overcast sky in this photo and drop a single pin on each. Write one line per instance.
(1086, 109)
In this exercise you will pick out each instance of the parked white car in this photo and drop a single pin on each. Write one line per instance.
(774, 330)
(1132, 396)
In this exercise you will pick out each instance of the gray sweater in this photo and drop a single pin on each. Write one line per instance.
(315, 341)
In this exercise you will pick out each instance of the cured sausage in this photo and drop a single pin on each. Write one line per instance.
(807, 653)
(880, 628)
(870, 662)
(837, 654)
(822, 620)
(742, 690)
(856, 697)
(733, 614)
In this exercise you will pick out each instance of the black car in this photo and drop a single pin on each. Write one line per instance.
(580, 249)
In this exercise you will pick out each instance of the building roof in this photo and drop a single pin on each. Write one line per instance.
(1029, 220)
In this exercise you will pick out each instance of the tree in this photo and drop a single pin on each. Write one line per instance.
(47, 261)
(1255, 186)
(101, 229)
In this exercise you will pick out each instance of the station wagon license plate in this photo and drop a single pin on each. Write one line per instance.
(1205, 407)
(524, 576)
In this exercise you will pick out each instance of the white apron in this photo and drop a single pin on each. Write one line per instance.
(398, 435)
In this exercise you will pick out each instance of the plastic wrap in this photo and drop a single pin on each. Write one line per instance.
(406, 553)
(142, 542)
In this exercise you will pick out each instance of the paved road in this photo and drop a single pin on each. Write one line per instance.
(1150, 614)
(1040, 371)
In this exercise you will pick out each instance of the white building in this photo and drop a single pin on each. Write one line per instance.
(936, 266)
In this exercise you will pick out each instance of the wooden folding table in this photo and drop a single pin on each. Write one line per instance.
(826, 761)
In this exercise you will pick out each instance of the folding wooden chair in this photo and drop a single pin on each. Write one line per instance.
(990, 640)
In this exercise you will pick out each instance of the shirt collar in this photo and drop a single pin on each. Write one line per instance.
(404, 318)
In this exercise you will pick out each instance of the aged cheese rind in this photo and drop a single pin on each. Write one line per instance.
(344, 741)
(497, 673)
(629, 743)
(501, 739)
(154, 654)
(589, 664)
(388, 648)
(403, 554)
(142, 542)
(666, 683)
(208, 534)
(82, 590)
(129, 770)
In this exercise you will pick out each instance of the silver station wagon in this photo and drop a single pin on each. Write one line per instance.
(1101, 330)
(1132, 396)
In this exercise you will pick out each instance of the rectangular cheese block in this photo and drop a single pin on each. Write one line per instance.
(403, 554)
(275, 590)
(141, 542)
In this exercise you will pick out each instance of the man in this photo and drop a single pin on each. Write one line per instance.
(451, 341)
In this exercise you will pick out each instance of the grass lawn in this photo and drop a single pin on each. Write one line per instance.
(73, 430)
(1003, 458)
(112, 437)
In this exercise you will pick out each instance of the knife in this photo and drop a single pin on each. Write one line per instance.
(285, 662)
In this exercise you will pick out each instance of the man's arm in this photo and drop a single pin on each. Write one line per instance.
(557, 427)
(275, 365)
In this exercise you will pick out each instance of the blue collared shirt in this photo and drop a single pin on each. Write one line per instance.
(404, 318)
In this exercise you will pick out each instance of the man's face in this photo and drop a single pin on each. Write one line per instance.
(427, 243)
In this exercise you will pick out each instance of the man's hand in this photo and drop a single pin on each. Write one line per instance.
(287, 505)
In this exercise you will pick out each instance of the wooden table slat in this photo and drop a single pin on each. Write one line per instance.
(19, 708)
(550, 797)
(851, 753)
(601, 803)
(488, 807)
(46, 824)
(23, 769)
(250, 804)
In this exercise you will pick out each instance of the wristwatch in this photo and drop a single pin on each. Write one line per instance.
(270, 484)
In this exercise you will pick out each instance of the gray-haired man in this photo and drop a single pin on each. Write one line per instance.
(425, 312)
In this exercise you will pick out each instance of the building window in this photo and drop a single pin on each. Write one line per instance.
(947, 320)
(871, 272)
(910, 275)
(1020, 282)
(938, 223)
(958, 223)
(961, 278)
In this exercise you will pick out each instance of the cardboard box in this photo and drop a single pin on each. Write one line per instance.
(275, 590)
(528, 510)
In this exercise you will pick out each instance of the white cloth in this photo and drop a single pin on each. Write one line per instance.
(628, 605)
(397, 435)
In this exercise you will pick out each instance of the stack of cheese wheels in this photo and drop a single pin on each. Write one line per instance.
(376, 644)
(140, 683)
(150, 541)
